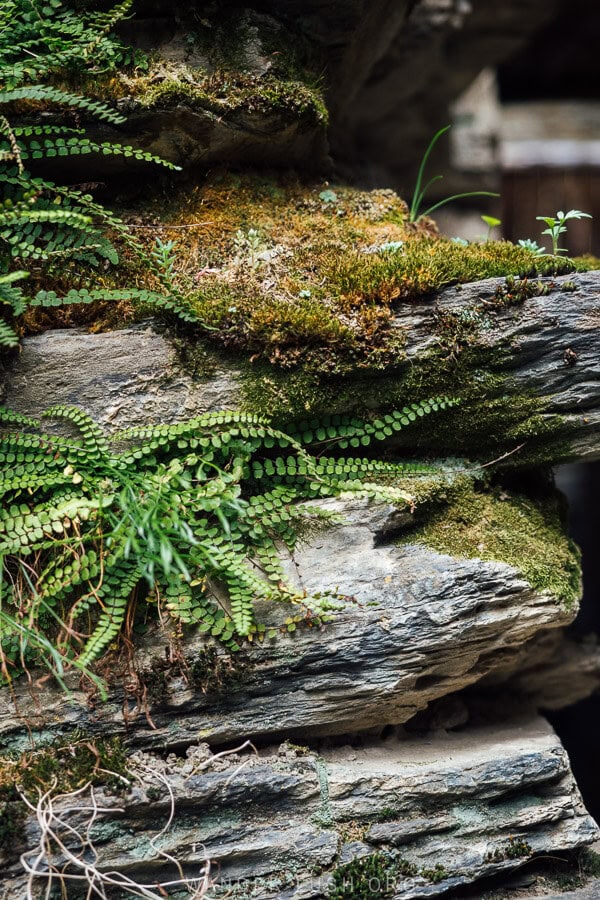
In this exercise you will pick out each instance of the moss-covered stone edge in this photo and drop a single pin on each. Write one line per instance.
(493, 523)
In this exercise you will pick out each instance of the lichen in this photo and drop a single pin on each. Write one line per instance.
(498, 524)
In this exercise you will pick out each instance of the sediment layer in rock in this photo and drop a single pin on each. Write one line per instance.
(290, 823)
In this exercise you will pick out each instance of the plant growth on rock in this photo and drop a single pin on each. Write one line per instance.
(186, 517)
(58, 227)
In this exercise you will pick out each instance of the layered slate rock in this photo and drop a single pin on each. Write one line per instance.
(528, 366)
(121, 378)
(413, 625)
(289, 823)
(388, 71)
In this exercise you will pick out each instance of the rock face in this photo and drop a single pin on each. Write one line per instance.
(440, 49)
(121, 378)
(410, 778)
(417, 626)
(292, 824)
(546, 347)
(543, 348)
(388, 69)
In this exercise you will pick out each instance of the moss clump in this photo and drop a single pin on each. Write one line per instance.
(434, 874)
(514, 848)
(209, 671)
(377, 876)
(223, 93)
(370, 877)
(311, 277)
(495, 524)
(12, 818)
(64, 766)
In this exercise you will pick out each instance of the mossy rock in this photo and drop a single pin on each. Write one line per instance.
(328, 299)
(499, 524)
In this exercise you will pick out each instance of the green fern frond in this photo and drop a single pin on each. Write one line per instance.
(114, 597)
(198, 509)
(94, 439)
(82, 296)
(8, 336)
(46, 93)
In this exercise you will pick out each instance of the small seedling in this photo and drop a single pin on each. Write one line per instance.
(533, 246)
(491, 222)
(248, 245)
(415, 212)
(328, 196)
(163, 254)
(390, 246)
(556, 226)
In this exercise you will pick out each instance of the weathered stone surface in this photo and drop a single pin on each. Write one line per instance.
(553, 670)
(276, 825)
(590, 892)
(422, 625)
(389, 68)
(188, 137)
(545, 347)
(121, 378)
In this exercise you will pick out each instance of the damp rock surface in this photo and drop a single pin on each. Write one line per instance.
(292, 822)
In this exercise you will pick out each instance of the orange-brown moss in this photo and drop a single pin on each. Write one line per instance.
(305, 275)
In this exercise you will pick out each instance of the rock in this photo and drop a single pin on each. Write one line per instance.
(590, 892)
(416, 625)
(534, 364)
(535, 338)
(189, 136)
(440, 49)
(389, 70)
(475, 803)
(554, 670)
(121, 378)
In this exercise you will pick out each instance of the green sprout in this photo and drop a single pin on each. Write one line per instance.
(415, 212)
(491, 222)
(556, 226)
(533, 246)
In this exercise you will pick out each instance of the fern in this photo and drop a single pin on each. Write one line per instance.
(196, 510)
(46, 37)
(40, 221)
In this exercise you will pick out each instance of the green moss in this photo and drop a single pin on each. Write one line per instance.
(514, 848)
(495, 416)
(329, 305)
(434, 874)
(65, 764)
(370, 877)
(496, 524)
(12, 819)
(303, 283)
(195, 357)
(223, 93)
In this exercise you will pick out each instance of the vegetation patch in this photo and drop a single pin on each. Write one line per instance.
(226, 93)
(497, 524)
(377, 876)
(514, 848)
(64, 766)
(187, 518)
(310, 276)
